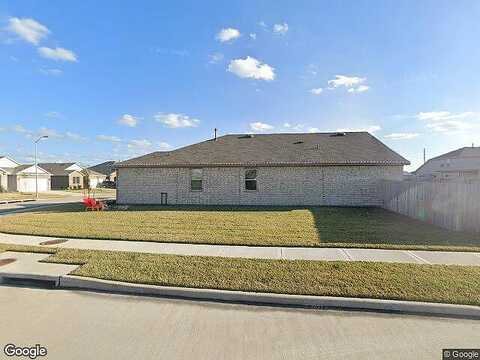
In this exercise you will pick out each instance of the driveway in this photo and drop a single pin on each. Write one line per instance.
(84, 325)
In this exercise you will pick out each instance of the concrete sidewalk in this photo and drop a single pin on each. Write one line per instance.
(258, 252)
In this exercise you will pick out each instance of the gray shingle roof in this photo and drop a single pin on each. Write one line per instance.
(57, 168)
(105, 168)
(354, 148)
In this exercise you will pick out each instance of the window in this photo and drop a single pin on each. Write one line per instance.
(76, 180)
(196, 180)
(251, 179)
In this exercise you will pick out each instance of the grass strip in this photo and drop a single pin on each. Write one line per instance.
(414, 282)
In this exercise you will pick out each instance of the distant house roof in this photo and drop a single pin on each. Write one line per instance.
(21, 168)
(351, 148)
(463, 159)
(465, 152)
(94, 173)
(105, 168)
(58, 169)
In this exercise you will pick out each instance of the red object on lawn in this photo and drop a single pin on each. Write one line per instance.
(92, 204)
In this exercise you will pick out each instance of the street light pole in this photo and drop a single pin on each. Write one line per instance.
(36, 165)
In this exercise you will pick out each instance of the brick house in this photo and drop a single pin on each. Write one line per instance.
(340, 169)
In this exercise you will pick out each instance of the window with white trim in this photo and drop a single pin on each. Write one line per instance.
(251, 179)
(196, 180)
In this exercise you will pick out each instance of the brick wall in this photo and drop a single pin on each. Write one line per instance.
(328, 185)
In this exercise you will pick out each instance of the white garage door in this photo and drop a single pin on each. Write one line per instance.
(28, 185)
(93, 183)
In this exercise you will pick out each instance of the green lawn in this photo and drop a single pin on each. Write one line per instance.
(432, 283)
(269, 226)
(22, 196)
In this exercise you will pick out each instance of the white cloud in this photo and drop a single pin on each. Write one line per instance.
(442, 115)
(260, 127)
(451, 126)
(53, 115)
(139, 144)
(295, 127)
(313, 130)
(262, 24)
(51, 133)
(73, 136)
(215, 58)
(280, 29)
(447, 122)
(164, 146)
(52, 72)
(346, 81)
(28, 29)
(402, 136)
(251, 68)
(57, 54)
(316, 91)
(44, 131)
(20, 129)
(371, 129)
(253, 36)
(128, 120)
(173, 120)
(228, 34)
(359, 89)
(109, 138)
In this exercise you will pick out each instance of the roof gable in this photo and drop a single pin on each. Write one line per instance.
(59, 169)
(29, 169)
(352, 148)
(6, 162)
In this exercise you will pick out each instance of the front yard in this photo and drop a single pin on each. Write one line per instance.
(432, 283)
(10, 196)
(267, 226)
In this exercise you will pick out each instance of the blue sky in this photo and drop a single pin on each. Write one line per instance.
(111, 80)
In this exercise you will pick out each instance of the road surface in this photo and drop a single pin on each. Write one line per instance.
(87, 325)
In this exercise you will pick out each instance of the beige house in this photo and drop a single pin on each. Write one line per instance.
(106, 168)
(270, 169)
(460, 164)
(71, 176)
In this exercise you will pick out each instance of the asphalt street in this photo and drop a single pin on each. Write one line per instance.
(88, 325)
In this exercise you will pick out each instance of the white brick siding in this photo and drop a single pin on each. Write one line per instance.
(323, 185)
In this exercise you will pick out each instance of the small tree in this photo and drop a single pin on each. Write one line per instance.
(86, 183)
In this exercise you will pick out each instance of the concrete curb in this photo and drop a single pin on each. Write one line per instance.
(305, 301)
(3, 202)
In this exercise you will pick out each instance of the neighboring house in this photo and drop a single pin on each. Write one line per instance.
(95, 178)
(106, 168)
(7, 166)
(70, 176)
(22, 178)
(463, 163)
(64, 175)
(269, 169)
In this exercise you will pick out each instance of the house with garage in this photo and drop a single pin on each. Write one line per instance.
(461, 164)
(340, 169)
(22, 178)
(107, 169)
(71, 176)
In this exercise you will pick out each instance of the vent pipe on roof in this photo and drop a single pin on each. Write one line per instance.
(215, 134)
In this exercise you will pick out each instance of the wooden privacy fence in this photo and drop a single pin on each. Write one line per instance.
(453, 205)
